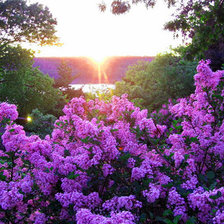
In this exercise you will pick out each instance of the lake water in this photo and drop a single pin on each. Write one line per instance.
(93, 88)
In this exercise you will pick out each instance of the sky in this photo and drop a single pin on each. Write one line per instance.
(85, 31)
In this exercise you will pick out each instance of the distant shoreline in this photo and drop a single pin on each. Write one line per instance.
(112, 69)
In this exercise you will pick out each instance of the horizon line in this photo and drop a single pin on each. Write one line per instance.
(91, 56)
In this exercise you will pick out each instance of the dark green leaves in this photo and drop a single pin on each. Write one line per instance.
(167, 212)
(66, 153)
(113, 130)
(2, 176)
(72, 176)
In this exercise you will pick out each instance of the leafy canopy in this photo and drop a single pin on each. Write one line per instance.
(123, 6)
(201, 22)
(23, 22)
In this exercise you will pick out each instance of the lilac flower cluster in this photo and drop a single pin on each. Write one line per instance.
(108, 162)
(8, 111)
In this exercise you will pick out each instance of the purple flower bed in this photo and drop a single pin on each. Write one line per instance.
(108, 162)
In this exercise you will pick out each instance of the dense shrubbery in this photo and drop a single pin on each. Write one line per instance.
(41, 124)
(149, 85)
(106, 162)
(26, 86)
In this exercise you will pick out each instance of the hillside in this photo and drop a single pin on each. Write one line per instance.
(112, 70)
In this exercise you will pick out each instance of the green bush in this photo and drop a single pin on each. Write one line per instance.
(40, 124)
(149, 85)
(25, 86)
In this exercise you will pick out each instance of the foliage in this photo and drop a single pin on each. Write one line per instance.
(106, 162)
(150, 85)
(201, 22)
(13, 58)
(40, 124)
(25, 86)
(65, 76)
(65, 79)
(70, 93)
(123, 6)
(19, 82)
(102, 94)
(23, 22)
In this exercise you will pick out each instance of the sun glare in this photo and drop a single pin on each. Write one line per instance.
(99, 59)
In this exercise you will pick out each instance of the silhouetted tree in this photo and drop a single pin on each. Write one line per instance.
(65, 79)
(65, 75)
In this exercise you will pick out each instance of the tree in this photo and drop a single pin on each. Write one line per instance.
(201, 22)
(20, 22)
(123, 6)
(26, 86)
(65, 75)
(65, 79)
(20, 83)
(13, 58)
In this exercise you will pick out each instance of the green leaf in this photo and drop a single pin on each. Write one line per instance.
(218, 96)
(72, 176)
(186, 156)
(178, 127)
(125, 157)
(176, 219)
(58, 123)
(12, 130)
(213, 185)
(145, 182)
(2, 161)
(167, 212)
(113, 130)
(167, 221)
(169, 185)
(213, 211)
(2, 176)
(85, 140)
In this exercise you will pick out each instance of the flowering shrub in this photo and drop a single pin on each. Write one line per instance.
(107, 162)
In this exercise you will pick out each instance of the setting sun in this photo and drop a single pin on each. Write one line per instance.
(99, 59)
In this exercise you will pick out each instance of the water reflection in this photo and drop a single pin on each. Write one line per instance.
(93, 88)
